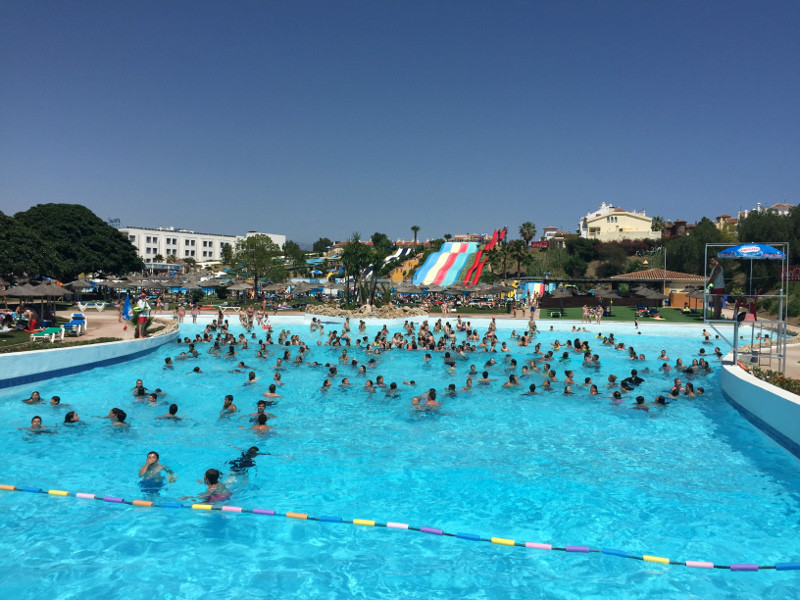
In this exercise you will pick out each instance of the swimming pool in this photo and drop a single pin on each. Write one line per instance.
(691, 481)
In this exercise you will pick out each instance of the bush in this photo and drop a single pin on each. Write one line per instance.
(778, 379)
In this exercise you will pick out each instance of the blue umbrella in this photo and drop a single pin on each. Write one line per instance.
(752, 252)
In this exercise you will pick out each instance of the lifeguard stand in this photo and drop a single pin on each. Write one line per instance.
(767, 338)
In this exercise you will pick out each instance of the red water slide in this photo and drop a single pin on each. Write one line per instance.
(480, 260)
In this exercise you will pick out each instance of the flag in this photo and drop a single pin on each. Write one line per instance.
(127, 313)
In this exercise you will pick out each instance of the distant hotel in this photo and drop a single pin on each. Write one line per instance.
(204, 248)
(610, 224)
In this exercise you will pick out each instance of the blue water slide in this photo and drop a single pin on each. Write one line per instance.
(459, 263)
(430, 262)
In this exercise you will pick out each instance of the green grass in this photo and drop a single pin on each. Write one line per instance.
(627, 313)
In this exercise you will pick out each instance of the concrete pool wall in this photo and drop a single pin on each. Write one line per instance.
(772, 409)
(20, 368)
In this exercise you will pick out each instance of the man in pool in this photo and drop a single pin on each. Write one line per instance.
(172, 414)
(152, 473)
(228, 407)
(37, 427)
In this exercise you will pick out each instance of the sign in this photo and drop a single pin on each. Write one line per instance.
(794, 273)
(539, 245)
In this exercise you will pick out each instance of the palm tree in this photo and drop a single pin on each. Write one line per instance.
(415, 229)
(527, 231)
(657, 224)
(158, 258)
(448, 236)
(518, 251)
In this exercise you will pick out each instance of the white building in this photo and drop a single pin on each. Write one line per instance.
(204, 248)
(609, 224)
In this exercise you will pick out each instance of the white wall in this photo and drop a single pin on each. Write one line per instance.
(772, 409)
(20, 368)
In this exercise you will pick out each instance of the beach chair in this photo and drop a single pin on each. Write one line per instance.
(51, 334)
(77, 324)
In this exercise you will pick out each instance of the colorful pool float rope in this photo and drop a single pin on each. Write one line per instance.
(697, 564)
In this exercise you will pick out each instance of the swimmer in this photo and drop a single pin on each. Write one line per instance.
(640, 404)
(272, 393)
(172, 414)
(216, 492)
(168, 363)
(34, 399)
(56, 401)
(152, 471)
(261, 424)
(228, 407)
(261, 406)
(37, 427)
(241, 465)
(426, 402)
(117, 416)
(71, 417)
(512, 381)
(139, 389)
(251, 378)
(531, 390)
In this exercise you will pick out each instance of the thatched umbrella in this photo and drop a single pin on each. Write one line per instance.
(561, 293)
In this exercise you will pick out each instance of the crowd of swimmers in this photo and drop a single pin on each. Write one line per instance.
(440, 339)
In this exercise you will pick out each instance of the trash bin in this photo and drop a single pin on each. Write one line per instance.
(508, 307)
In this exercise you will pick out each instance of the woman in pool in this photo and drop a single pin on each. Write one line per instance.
(34, 399)
(71, 417)
(216, 492)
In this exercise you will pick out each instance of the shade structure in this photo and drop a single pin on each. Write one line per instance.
(606, 293)
(241, 286)
(26, 290)
(274, 287)
(752, 252)
(51, 290)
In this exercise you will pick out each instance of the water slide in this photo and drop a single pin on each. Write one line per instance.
(442, 268)
(480, 261)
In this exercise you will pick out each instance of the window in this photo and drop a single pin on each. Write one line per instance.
(147, 250)
(192, 252)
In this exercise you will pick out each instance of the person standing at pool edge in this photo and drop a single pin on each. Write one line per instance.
(717, 286)
(142, 311)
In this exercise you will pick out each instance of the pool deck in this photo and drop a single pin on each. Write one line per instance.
(108, 325)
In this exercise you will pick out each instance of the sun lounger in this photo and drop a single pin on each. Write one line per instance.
(98, 306)
(51, 334)
(76, 326)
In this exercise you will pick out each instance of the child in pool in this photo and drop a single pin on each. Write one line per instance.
(216, 492)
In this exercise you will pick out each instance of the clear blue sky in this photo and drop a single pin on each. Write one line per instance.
(321, 118)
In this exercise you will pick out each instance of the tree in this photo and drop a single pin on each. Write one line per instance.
(356, 257)
(448, 237)
(687, 253)
(498, 259)
(159, 258)
(527, 231)
(295, 255)
(657, 224)
(518, 251)
(82, 241)
(582, 248)
(23, 250)
(227, 254)
(415, 229)
(258, 257)
(321, 245)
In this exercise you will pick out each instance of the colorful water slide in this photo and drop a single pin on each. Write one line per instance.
(480, 261)
(479, 257)
(442, 268)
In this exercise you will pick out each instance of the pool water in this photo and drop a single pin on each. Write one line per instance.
(689, 481)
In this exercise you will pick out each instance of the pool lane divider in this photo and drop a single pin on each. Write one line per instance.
(696, 564)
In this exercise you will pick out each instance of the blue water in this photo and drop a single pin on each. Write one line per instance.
(691, 481)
